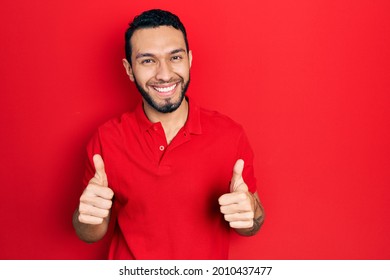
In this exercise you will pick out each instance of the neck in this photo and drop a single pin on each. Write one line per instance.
(171, 122)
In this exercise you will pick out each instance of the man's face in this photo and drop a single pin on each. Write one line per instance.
(160, 66)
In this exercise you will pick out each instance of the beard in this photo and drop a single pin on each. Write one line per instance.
(169, 106)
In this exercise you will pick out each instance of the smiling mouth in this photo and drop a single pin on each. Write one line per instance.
(165, 90)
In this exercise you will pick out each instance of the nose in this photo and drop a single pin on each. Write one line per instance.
(163, 71)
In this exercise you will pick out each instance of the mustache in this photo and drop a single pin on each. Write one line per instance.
(170, 81)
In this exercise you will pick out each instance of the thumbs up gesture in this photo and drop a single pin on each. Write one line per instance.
(96, 200)
(238, 205)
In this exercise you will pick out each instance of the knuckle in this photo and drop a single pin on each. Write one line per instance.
(247, 207)
(85, 219)
(89, 190)
(83, 199)
(241, 196)
(109, 194)
(82, 208)
(221, 200)
(96, 221)
(228, 218)
(109, 204)
(105, 213)
(233, 225)
(90, 187)
(81, 218)
(232, 217)
(105, 204)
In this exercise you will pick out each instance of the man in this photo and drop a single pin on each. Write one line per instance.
(171, 176)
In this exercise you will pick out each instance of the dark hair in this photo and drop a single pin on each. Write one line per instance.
(152, 19)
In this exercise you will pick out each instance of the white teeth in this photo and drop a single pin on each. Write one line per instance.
(165, 89)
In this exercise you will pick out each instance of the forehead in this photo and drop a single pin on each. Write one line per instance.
(161, 39)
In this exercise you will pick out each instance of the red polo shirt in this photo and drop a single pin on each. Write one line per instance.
(166, 196)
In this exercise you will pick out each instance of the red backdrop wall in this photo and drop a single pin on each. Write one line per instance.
(309, 81)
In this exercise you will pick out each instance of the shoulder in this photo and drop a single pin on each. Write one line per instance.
(118, 121)
(211, 119)
(117, 125)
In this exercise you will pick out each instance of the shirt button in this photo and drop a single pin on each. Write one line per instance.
(162, 148)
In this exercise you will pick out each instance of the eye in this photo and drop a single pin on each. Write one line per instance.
(176, 58)
(147, 61)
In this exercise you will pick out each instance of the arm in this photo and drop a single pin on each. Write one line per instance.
(91, 218)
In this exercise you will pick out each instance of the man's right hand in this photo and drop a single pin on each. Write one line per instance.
(96, 200)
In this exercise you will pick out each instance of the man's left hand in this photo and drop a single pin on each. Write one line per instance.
(238, 205)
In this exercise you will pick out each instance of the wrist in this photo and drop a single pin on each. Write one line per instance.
(258, 219)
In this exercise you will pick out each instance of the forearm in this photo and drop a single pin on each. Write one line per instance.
(88, 232)
(258, 219)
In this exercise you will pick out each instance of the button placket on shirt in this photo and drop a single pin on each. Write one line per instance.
(159, 138)
(161, 147)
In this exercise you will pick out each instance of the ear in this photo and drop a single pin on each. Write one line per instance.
(190, 57)
(128, 68)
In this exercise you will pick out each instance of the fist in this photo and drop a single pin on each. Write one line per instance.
(238, 205)
(96, 200)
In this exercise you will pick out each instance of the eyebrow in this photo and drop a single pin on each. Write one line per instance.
(140, 55)
(177, 51)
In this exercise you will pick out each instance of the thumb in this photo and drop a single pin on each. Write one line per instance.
(237, 179)
(100, 173)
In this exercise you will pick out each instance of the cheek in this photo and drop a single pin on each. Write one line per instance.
(144, 76)
(183, 71)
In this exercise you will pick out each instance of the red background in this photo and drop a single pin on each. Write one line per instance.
(308, 80)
